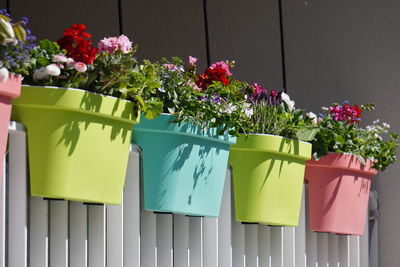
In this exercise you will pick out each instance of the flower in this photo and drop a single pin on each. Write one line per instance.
(285, 98)
(77, 43)
(192, 61)
(40, 74)
(109, 45)
(4, 74)
(218, 71)
(124, 44)
(230, 108)
(346, 113)
(257, 89)
(112, 44)
(59, 58)
(80, 67)
(70, 62)
(313, 117)
(53, 70)
(249, 112)
(173, 67)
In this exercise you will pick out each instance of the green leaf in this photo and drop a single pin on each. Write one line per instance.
(43, 61)
(5, 18)
(360, 158)
(340, 139)
(6, 28)
(307, 134)
(154, 109)
(19, 31)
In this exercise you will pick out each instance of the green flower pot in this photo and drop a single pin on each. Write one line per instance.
(78, 142)
(268, 174)
(184, 167)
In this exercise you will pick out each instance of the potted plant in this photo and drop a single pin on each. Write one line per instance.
(16, 42)
(185, 150)
(346, 156)
(79, 139)
(268, 160)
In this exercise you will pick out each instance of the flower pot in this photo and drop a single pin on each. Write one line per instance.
(268, 175)
(9, 90)
(338, 193)
(78, 142)
(184, 167)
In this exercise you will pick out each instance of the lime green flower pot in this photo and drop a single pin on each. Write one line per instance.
(78, 142)
(268, 174)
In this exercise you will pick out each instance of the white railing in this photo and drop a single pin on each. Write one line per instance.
(40, 233)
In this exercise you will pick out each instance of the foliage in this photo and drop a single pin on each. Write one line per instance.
(16, 42)
(339, 131)
(212, 99)
(274, 113)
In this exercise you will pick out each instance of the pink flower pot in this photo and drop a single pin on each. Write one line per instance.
(9, 90)
(338, 193)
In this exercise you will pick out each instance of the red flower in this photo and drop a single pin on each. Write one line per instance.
(78, 45)
(216, 72)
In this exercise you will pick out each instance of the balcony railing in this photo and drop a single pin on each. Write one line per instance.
(41, 233)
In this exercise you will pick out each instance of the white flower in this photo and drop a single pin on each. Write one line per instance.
(4, 74)
(59, 58)
(80, 67)
(40, 74)
(161, 89)
(70, 62)
(53, 70)
(286, 99)
(313, 117)
(248, 112)
(386, 125)
(231, 108)
(213, 120)
(375, 121)
(10, 41)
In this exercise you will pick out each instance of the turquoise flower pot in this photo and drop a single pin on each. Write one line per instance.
(183, 166)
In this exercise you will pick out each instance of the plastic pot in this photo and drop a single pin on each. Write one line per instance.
(78, 143)
(9, 90)
(184, 167)
(268, 175)
(338, 193)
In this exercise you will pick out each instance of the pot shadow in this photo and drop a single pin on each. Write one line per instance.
(91, 113)
(194, 158)
(338, 180)
(294, 149)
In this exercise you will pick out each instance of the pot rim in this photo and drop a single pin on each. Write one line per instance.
(99, 113)
(287, 138)
(74, 89)
(359, 167)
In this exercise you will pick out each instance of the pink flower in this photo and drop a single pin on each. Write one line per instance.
(80, 66)
(192, 61)
(59, 58)
(124, 44)
(112, 44)
(109, 45)
(346, 113)
(258, 89)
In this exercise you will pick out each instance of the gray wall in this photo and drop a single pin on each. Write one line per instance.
(335, 50)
